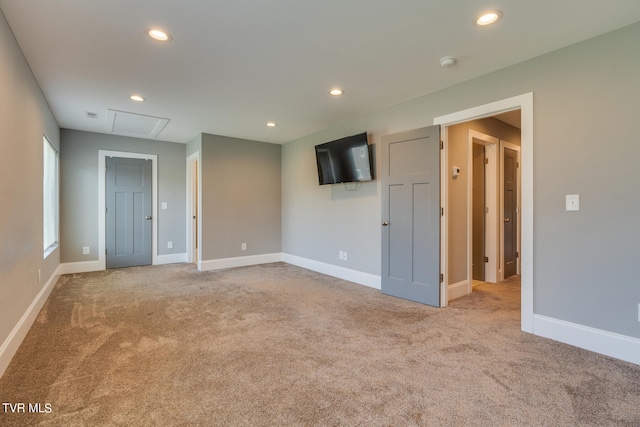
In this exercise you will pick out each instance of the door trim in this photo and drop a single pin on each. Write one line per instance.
(102, 155)
(195, 157)
(444, 223)
(525, 104)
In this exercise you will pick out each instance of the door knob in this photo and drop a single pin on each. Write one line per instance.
(385, 223)
(507, 219)
(148, 218)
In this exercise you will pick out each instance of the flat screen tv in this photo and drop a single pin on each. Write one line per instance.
(344, 160)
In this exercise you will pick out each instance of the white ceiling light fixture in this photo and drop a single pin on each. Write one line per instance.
(448, 61)
(272, 124)
(136, 98)
(159, 35)
(336, 92)
(488, 18)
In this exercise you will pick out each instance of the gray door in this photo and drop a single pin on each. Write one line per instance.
(410, 175)
(479, 213)
(510, 215)
(128, 216)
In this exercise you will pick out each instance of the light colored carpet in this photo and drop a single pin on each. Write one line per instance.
(279, 345)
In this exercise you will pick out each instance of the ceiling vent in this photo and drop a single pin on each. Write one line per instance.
(132, 124)
(92, 115)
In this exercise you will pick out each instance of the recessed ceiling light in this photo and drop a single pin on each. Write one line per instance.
(159, 35)
(336, 92)
(136, 98)
(272, 124)
(489, 18)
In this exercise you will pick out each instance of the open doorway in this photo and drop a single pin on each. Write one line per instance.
(457, 269)
(478, 207)
(475, 203)
(193, 209)
(482, 197)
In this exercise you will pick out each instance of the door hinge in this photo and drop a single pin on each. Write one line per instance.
(441, 278)
(486, 160)
(441, 211)
(486, 209)
(517, 254)
(442, 145)
(517, 164)
(486, 259)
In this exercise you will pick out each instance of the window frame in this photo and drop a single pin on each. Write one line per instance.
(50, 196)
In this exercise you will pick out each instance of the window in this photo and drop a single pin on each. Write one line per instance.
(50, 197)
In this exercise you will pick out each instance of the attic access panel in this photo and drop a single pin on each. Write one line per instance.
(133, 124)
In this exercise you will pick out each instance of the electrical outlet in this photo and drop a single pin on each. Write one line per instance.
(244, 246)
(344, 256)
(86, 250)
(170, 245)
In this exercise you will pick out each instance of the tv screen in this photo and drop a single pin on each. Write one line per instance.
(344, 160)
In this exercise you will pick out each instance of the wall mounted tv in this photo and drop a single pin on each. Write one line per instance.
(344, 160)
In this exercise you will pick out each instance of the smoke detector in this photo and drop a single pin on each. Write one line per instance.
(447, 62)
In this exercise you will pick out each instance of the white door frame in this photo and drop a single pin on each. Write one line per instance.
(525, 104)
(444, 202)
(503, 145)
(492, 269)
(102, 155)
(193, 195)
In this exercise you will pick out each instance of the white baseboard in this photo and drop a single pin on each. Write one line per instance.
(366, 279)
(171, 259)
(10, 346)
(608, 343)
(457, 290)
(80, 267)
(88, 266)
(218, 264)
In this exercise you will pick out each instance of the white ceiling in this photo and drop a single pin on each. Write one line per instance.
(234, 65)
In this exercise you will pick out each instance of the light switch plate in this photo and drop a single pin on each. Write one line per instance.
(573, 202)
(164, 205)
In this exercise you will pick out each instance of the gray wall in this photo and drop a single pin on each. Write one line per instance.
(79, 191)
(320, 221)
(24, 118)
(194, 146)
(586, 100)
(458, 156)
(241, 196)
